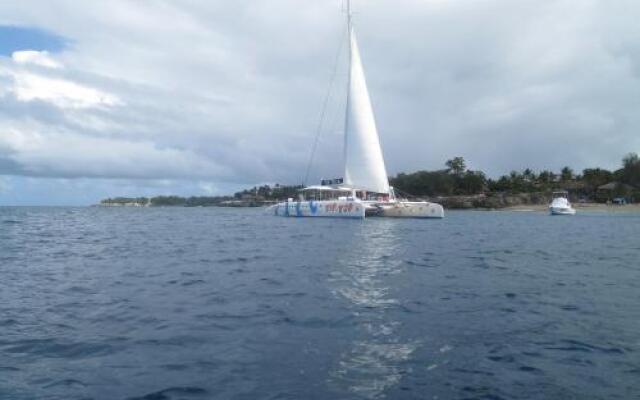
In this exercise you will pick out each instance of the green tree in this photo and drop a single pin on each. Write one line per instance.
(546, 177)
(456, 165)
(517, 181)
(503, 184)
(566, 174)
(168, 201)
(529, 175)
(472, 182)
(631, 169)
(594, 177)
(425, 183)
(630, 160)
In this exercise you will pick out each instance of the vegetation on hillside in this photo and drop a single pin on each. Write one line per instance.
(266, 192)
(257, 195)
(454, 180)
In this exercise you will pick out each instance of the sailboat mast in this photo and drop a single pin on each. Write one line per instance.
(346, 109)
(348, 13)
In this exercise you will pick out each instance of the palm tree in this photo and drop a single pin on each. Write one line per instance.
(529, 175)
(566, 174)
(456, 165)
(546, 177)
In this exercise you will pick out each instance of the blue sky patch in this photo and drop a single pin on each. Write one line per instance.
(14, 38)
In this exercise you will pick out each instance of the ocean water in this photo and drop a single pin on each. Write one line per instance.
(210, 303)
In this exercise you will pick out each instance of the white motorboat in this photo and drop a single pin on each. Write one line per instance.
(364, 190)
(560, 204)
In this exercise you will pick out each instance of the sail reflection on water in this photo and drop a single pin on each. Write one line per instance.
(376, 361)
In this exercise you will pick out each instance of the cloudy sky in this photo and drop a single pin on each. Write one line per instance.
(106, 98)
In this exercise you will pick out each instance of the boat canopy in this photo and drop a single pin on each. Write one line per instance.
(325, 189)
(318, 192)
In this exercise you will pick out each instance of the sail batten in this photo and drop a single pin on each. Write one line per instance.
(364, 163)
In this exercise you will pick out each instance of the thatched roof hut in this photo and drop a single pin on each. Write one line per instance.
(614, 189)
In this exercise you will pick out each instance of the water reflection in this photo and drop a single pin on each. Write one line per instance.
(376, 361)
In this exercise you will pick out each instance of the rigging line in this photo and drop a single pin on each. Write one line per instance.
(324, 110)
(337, 117)
(408, 195)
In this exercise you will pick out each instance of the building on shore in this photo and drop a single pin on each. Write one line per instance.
(613, 191)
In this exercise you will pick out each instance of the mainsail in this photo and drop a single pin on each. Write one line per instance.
(364, 164)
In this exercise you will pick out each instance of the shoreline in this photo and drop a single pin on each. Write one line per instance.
(598, 207)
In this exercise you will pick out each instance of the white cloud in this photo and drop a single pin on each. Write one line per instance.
(41, 58)
(63, 93)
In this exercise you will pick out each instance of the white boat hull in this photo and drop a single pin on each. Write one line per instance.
(322, 208)
(410, 209)
(562, 210)
(561, 206)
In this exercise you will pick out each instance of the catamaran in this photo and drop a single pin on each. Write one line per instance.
(364, 190)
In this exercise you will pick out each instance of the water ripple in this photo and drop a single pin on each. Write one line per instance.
(200, 303)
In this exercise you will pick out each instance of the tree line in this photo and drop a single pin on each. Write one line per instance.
(456, 179)
(262, 193)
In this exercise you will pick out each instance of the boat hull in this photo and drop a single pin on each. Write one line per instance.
(322, 208)
(561, 211)
(411, 209)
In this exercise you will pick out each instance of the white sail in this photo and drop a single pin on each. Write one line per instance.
(364, 164)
